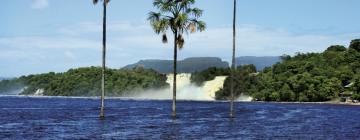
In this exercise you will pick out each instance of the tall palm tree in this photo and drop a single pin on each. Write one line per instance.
(180, 17)
(105, 2)
(233, 68)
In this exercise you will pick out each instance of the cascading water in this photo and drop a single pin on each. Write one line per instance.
(188, 91)
(185, 89)
(210, 87)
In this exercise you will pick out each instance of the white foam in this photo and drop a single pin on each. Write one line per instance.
(185, 89)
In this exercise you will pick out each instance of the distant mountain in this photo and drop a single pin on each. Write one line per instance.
(260, 62)
(193, 64)
(187, 65)
(4, 78)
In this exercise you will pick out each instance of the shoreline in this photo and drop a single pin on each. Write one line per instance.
(144, 99)
(327, 102)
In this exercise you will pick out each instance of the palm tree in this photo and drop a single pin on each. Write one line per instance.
(233, 68)
(105, 2)
(180, 18)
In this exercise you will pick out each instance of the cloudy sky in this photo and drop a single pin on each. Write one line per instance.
(39, 36)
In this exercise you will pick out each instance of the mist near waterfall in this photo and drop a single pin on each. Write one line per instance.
(185, 89)
(15, 91)
(244, 98)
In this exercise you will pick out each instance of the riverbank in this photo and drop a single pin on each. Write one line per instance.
(334, 102)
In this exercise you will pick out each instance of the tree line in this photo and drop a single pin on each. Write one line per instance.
(85, 82)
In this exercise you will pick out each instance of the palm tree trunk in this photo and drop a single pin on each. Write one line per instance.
(175, 73)
(103, 63)
(233, 63)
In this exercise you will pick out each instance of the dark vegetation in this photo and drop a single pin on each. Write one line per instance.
(86, 82)
(310, 77)
(199, 78)
(244, 76)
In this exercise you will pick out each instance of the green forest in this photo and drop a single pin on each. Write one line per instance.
(311, 77)
(86, 82)
(305, 77)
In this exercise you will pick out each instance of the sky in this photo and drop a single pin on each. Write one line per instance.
(38, 36)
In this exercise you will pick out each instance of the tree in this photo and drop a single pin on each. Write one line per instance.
(355, 44)
(105, 2)
(233, 63)
(180, 17)
(286, 94)
(356, 85)
(336, 48)
(244, 81)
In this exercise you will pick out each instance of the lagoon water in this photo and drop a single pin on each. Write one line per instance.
(77, 118)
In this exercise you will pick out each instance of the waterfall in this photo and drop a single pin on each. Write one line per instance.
(210, 87)
(188, 91)
(185, 89)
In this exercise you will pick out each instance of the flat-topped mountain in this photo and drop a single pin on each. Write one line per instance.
(187, 65)
(193, 64)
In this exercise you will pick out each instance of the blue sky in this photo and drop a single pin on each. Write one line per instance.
(38, 36)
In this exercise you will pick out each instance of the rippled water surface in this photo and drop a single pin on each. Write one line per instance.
(74, 118)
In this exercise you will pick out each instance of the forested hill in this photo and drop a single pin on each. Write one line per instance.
(187, 65)
(306, 77)
(85, 82)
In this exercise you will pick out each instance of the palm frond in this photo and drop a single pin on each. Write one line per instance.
(180, 41)
(191, 27)
(96, 1)
(164, 5)
(185, 4)
(164, 38)
(196, 12)
(177, 15)
(200, 25)
(181, 20)
(158, 23)
(153, 16)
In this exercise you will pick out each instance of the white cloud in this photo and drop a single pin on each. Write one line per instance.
(42, 42)
(70, 55)
(39, 4)
(112, 27)
(259, 41)
(251, 40)
(80, 45)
